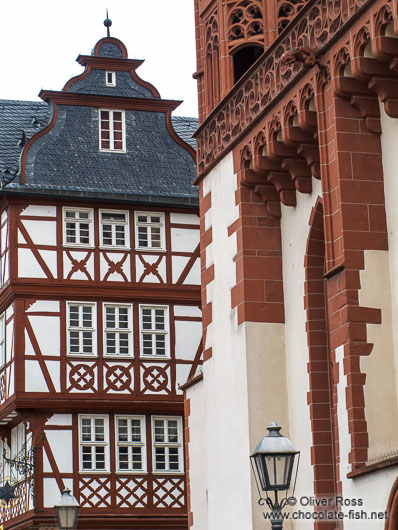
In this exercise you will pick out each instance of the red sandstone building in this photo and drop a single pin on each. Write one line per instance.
(297, 175)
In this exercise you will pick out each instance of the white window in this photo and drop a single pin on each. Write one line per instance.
(149, 231)
(110, 79)
(78, 227)
(114, 228)
(154, 331)
(81, 328)
(112, 130)
(93, 432)
(2, 340)
(130, 443)
(117, 330)
(167, 444)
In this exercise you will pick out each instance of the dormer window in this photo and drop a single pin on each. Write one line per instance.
(110, 79)
(112, 131)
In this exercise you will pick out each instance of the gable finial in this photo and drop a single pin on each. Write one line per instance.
(107, 24)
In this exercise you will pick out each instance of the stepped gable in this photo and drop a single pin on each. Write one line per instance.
(62, 155)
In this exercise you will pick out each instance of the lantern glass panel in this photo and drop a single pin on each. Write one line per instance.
(278, 470)
(67, 516)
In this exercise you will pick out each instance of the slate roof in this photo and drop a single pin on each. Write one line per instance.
(65, 160)
(153, 175)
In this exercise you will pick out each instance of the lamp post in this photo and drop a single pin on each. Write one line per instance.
(274, 461)
(67, 511)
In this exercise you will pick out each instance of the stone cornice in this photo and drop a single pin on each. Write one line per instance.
(317, 25)
(114, 102)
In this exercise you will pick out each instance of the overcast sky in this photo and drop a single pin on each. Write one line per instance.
(39, 43)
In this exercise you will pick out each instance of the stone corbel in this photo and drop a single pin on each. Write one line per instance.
(300, 173)
(271, 199)
(387, 90)
(284, 186)
(310, 152)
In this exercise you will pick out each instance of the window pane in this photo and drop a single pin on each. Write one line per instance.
(160, 458)
(87, 317)
(159, 319)
(74, 315)
(146, 319)
(110, 317)
(110, 343)
(172, 429)
(99, 457)
(86, 429)
(123, 318)
(123, 458)
(160, 344)
(173, 459)
(159, 431)
(123, 430)
(86, 458)
(135, 430)
(99, 428)
(136, 458)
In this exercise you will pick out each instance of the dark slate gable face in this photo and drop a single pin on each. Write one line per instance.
(68, 157)
(109, 49)
(94, 83)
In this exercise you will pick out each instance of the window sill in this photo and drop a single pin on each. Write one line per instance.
(150, 250)
(93, 472)
(78, 245)
(119, 357)
(157, 357)
(113, 247)
(132, 473)
(84, 355)
(162, 473)
(118, 151)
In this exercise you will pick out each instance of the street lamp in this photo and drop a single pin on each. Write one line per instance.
(274, 458)
(67, 511)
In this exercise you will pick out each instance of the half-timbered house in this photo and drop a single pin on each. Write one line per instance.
(100, 317)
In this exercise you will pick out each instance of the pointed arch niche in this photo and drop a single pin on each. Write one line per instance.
(322, 394)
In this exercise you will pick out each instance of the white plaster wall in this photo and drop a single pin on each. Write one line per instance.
(380, 390)
(41, 232)
(34, 378)
(373, 489)
(295, 230)
(38, 210)
(188, 335)
(184, 218)
(49, 343)
(389, 143)
(184, 239)
(28, 266)
(52, 493)
(47, 306)
(187, 311)
(60, 443)
(224, 396)
(60, 419)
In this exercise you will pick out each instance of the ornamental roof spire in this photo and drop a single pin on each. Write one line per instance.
(107, 24)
